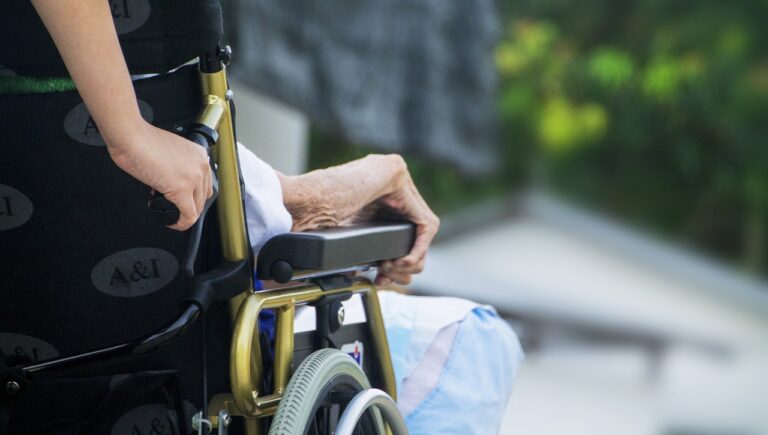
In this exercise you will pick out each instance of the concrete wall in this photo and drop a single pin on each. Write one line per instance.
(623, 334)
(278, 134)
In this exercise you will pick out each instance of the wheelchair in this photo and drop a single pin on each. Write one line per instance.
(212, 368)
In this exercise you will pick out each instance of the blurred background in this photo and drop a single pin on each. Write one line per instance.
(599, 167)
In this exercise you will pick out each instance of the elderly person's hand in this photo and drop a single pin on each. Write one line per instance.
(356, 191)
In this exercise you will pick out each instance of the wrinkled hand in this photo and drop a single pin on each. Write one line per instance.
(406, 202)
(168, 163)
(360, 191)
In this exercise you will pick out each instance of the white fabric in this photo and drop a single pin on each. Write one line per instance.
(265, 213)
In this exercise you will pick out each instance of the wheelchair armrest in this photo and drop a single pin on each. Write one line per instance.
(333, 249)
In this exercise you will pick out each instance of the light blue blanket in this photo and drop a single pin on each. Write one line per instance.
(455, 363)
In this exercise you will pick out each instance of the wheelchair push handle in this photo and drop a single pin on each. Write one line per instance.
(164, 210)
(167, 213)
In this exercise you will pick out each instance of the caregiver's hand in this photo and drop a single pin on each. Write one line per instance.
(168, 163)
(85, 36)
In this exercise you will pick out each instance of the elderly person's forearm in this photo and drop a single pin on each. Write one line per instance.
(328, 197)
(358, 190)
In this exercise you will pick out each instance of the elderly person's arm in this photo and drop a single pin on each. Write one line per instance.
(358, 189)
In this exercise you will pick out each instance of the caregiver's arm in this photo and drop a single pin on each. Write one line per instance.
(329, 197)
(85, 36)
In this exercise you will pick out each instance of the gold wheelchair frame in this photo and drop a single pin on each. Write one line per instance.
(246, 369)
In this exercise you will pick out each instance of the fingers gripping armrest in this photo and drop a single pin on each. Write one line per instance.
(333, 249)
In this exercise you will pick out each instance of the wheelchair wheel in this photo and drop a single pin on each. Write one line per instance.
(318, 393)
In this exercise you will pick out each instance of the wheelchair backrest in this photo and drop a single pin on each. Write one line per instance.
(83, 263)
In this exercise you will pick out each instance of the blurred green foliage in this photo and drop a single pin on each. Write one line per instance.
(652, 110)
(655, 111)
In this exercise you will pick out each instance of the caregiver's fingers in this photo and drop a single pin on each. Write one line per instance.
(188, 212)
(200, 196)
(209, 185)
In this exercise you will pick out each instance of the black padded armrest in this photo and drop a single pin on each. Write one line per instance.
(285, 255)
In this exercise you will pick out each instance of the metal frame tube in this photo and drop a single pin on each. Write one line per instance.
(66, 365)
(364, 400)
(284, 347)
(230, 202)
(246, 371)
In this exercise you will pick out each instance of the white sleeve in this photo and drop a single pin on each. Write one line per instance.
(266, 215)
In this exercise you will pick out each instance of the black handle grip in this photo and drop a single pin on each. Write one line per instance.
(168, 214)
(164, 210)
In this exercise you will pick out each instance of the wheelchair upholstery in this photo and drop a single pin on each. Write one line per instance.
(74, 280)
